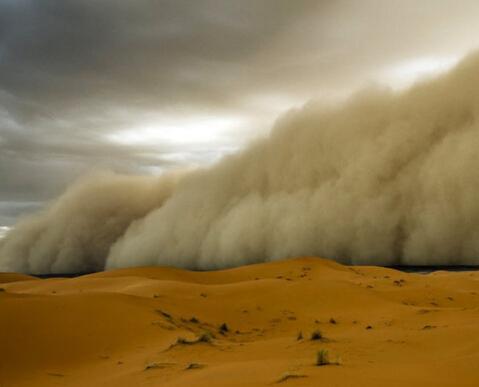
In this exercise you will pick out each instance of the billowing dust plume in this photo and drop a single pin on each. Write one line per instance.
(75, 233)
(385, 178)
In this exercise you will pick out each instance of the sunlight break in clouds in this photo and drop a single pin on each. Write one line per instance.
(3, 231)
(403, 74)
(179, 130)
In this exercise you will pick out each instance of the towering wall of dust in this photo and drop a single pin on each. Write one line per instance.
(74, 234)
(383, 179)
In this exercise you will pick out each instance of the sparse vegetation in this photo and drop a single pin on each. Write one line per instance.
(182, 340)
(289, 375)
(332, 321)
(163, 313)
(194, 320)
(322, 357)
(224, 328)
(316, 335)
(205, 337)
(300, 336)
(194, 366)
(154, 365)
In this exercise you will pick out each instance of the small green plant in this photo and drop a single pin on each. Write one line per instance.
(322, 357)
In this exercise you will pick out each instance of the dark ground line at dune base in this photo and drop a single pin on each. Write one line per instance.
(403, 268)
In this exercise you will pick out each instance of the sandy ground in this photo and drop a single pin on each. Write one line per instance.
(162, 327)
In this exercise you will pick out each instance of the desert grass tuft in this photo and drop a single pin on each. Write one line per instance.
(316, 335)
(322, 358)
(224, 328)
(205, 337)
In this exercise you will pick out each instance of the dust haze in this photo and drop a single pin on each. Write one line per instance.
(384, 178)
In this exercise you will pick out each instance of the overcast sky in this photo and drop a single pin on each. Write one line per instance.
(144, 86)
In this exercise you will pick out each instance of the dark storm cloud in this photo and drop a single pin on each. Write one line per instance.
(66, 54)
(167, 51)
(74, 72)
(71, 72)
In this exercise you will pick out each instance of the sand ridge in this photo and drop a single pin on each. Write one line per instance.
(170, 327)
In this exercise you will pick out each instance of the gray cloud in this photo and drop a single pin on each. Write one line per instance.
(131, 52)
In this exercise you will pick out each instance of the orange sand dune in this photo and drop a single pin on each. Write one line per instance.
(161, 327)
(14, 277)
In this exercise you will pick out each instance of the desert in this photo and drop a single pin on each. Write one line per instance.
(253, 325)
(219, 193)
